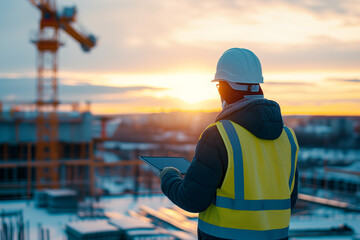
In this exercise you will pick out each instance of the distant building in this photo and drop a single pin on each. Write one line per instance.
(21, 173)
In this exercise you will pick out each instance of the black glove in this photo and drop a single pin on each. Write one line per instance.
(167, 169)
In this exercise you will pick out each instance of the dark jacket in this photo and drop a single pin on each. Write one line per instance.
(205, 175)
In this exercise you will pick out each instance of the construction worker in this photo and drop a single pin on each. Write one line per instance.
(243, 178)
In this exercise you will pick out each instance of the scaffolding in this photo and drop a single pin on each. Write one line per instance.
(23, 165)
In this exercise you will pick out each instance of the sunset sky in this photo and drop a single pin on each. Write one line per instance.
(161, 55)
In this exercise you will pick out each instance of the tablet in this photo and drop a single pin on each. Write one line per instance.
(161, 162)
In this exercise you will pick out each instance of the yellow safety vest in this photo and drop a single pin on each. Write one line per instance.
(254, 201)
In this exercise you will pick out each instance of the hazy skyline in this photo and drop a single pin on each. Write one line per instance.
(161, 55)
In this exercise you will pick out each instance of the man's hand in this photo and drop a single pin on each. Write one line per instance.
(167, 169)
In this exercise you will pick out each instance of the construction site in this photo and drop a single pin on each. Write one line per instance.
(47, 143)
(59, 180)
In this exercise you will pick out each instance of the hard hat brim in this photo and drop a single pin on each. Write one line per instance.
(241, 87)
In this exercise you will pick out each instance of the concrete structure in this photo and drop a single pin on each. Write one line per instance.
(18, 127)
(91, 230)
(21, 172)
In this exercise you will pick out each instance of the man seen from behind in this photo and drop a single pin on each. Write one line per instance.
(243, 178)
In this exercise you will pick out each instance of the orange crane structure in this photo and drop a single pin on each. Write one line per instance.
(48, 42)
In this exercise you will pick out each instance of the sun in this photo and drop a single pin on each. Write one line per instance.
(191, 88)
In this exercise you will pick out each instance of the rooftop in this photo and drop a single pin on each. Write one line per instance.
(321, 218)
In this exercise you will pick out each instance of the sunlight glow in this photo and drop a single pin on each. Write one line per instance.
(298, 92)
(191, 88)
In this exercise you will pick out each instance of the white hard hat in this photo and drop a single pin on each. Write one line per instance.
(239, 65)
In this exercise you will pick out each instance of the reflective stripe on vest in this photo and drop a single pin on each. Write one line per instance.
(243, 210)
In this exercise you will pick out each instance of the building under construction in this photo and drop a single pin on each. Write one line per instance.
(21, 172)
(39, 146)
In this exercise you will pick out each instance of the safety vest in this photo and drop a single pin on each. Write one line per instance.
(254, 199)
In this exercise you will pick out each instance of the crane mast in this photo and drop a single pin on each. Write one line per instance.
(47, 43)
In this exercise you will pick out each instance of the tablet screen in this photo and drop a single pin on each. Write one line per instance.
(161, 162)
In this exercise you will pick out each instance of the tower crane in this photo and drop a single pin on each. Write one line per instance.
(47, 43)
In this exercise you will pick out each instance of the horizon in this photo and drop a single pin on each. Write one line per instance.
(215, 112)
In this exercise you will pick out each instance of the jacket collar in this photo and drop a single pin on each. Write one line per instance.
(236, 106)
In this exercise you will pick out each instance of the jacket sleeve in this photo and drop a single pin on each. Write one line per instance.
(294, 194)
(197, 190)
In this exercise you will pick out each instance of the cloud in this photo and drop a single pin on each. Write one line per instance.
(104, 99)
(346, 102)
(89, 89)
(290, 34)
(324, 55)
(354, 80)
(177, 35)
(25, 89)
(289, 83)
